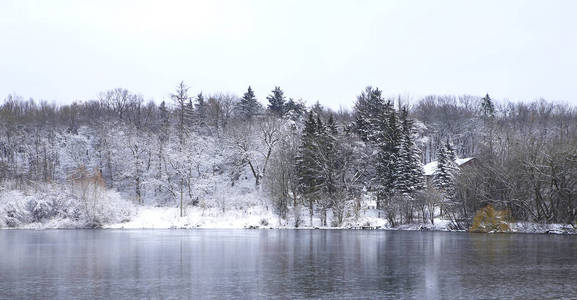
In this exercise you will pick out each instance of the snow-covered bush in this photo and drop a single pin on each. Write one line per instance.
(14, 210)
(111, 209)
(60, 208)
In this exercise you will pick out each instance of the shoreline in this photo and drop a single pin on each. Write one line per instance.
(569, 231)
(259, 218)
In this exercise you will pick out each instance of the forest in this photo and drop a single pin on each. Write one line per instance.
(95, 161)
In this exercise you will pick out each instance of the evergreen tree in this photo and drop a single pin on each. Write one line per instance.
(332, 126)
(488, 116)
(368, 113)
(189, 113)
(487, 108)
(450, 149)
(387, 137)
(332, 164)
(377, 123)
(317, 108)
(409, 170)
(318, 164)
(307, 167)
(248, 105)
(201, 109)
(164, 121)
(444, 175)
(276, 102)
(295, 109)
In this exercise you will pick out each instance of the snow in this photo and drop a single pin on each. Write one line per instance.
(169, 217)
(529, 227)
(151, 217)
(461, 161)
(56, 206)
(430, 168)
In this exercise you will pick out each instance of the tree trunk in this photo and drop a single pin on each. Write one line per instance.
(311, 212)
(181, 191)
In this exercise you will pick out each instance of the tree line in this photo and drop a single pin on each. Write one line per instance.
(189, 150)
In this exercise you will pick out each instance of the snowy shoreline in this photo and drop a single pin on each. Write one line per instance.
(417, 228)
(149, 218)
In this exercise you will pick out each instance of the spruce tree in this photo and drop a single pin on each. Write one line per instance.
(323, 167)
(332, 164)
(387, 137)
(377, 124)
(248, 105)
(368, 113)
(450, 149)
(189, 113)
(409, 170)
(487, 108)
(307, 167)
(488, 116)
(444, 175)
(201, 109)
(276, 102)
(295, 109)
(317, 108)
(164, 119)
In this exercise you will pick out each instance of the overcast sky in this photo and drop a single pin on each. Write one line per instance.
(315, 50)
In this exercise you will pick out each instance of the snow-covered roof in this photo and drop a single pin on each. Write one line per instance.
(430, 168)
(461, 161)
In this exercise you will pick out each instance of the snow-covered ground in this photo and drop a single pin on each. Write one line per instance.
(52, 207)
(528, 227)
(169, 217)
(258, 217)
(254, 217)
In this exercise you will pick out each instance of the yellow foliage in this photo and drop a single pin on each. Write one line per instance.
(489, 219)
(81, 175)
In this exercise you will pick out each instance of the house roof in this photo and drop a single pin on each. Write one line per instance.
(431, 167)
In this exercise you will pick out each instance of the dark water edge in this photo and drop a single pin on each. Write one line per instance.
(565, 231)
(295, 264)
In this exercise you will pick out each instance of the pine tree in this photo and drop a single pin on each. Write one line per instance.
(331, 163)
(487, 108)
(368, 113)
(377, 124)
(248, 105)
(409, 170)
(387, 137)
(307, 167)
(444, 175)
(331, 125)
(318, 165)
(201, 110)
(317, 108)
(164, 121)
(276, 102)
(295, 109)
(189, 113)
(488, 116)
(450, 149)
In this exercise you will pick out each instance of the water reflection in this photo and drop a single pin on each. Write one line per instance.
(192, 264)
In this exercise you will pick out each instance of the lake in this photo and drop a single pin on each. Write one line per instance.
(291, 264)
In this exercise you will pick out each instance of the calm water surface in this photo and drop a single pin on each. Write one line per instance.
(191, 264)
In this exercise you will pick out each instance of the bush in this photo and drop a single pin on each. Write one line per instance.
(488, 219)
(18, 208)
(263, 222)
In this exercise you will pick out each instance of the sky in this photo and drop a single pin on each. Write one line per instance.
(325, 51)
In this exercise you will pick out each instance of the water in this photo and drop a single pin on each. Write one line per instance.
(191, 264)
